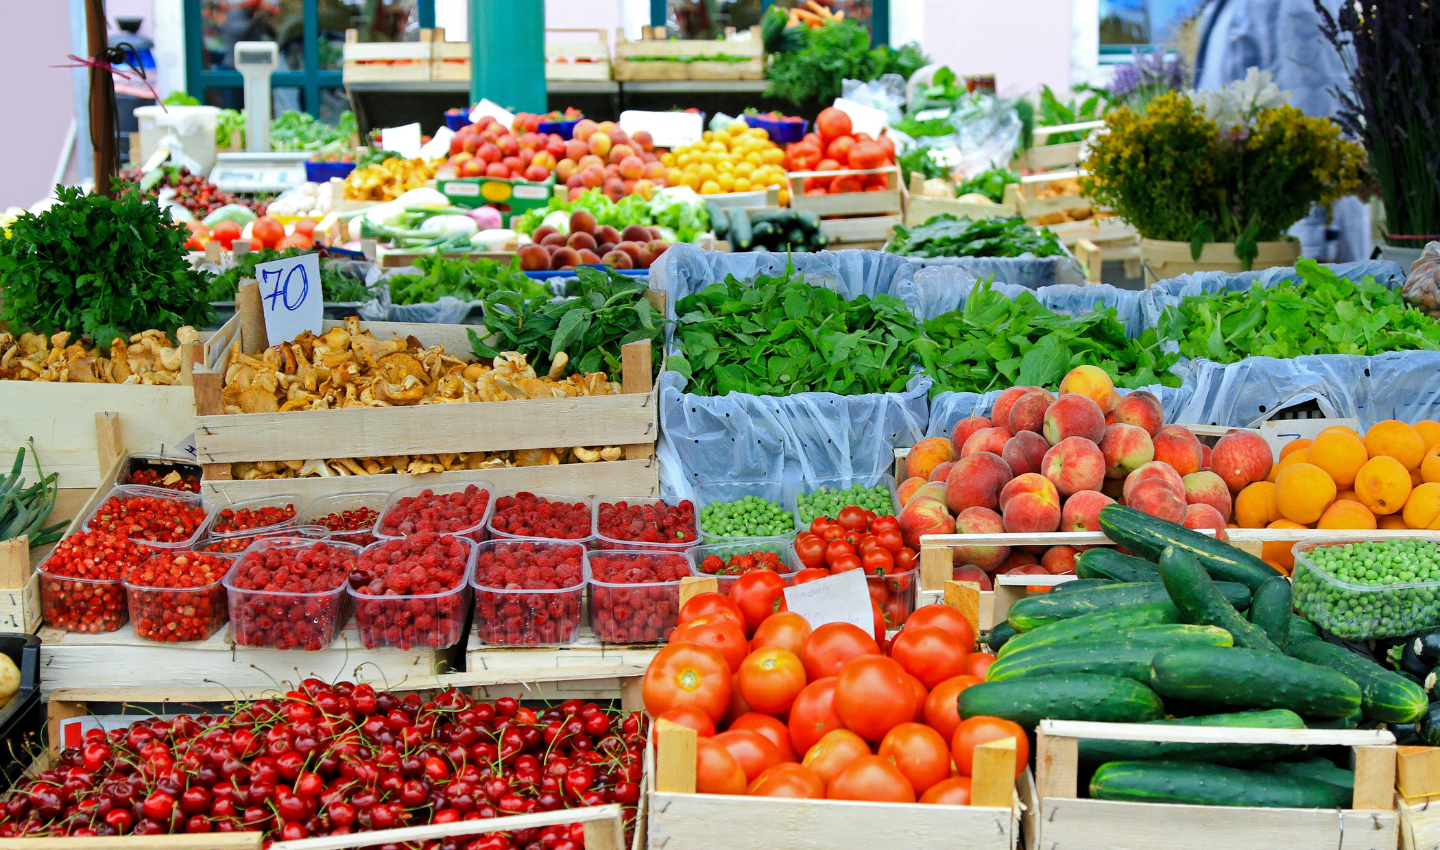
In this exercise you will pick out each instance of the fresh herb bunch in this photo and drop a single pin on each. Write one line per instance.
(832, 53)
(334, 286)
(921, 160)
(994, 342)
(780, 335)
(300, 131)
(100, 267)
(945, 235)
(468, 280)
(1323, 314)
(374, 156)
(608, 310)
(1054, 112)
(991, 183)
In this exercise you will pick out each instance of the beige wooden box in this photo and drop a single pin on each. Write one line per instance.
(881, 202)
(387, 62)
(675, 59)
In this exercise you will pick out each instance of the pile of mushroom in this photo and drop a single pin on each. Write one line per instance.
(148, 358)
(419, 464)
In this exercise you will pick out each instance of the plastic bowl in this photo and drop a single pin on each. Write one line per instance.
(457, 118)
(178, 614)
(712, 492)
(418, 620)
(1360, 611)
(235, 544)
(67, 603)
(282, 500)
(643, 612)
(286, 619)
(604, 542)
(126, 492)
(896, 594)
(589, 505)
(516, 616)
(779, 545)
(321, 172)
(474, 530)
(781, 132)
(844, 482)
(564, 129)
(361, 534)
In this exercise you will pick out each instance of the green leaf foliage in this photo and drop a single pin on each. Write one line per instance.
(945, 235)
(832, 53)
(468, 280)
(334, 286)
(991, 183)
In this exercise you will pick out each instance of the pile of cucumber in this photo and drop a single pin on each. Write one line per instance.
(1195, 630)
(767, 229)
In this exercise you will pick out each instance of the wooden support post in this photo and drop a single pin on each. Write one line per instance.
(1374, 778)
(637, 376)
(208, 402)
(253, 338)
(1057, 765)
(604, 834)
(964, 596)
(108, 445)
(937, 566)
(691, 586)
(240, 247)
(15, 563)
(212, 249)
(674, 758)
(1089, 255)
(1417, 771)
(102, 97)
(632, 693)
(993, 773)
(58, 711)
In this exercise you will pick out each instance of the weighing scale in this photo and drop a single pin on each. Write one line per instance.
(258, 169)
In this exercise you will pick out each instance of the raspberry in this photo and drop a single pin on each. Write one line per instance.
(460, 512)
(657, 523)
(528, 593)
(528, 515)
(286, 615)
(635, 596)
(398, 585)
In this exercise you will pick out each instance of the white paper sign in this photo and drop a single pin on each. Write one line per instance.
(404, 140)
(863, 119)
(841, 598)
(439, 145)
(494, 110)
(290, 296)
(1278, 432)
(668, 129)
(186, 447)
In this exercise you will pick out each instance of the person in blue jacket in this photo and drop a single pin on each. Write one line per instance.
(1284, 38)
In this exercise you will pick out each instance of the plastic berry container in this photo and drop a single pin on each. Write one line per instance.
(709, 493)
(289, 619)
(868, 480)
(177, 614)
(397, 516)
(1361, 611)
(234, 545)
(94, 603)
(896, 594)
(414, 620)
(583, 508)
(515, 615)
(725, 551)
(130, 492)
(603, 505)
(350, 517)
(640, 611)
(232, 520)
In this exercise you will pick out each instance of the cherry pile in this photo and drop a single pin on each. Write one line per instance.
(231, 520)
(459, 512)
(528, 594)
(658, 523)
(302, 605)
(528, 515)
(359, 521)
(739, 565)
(177, 596)
(153, 518)
(192, 191)
(183, 483)
(644, 612)
(340, 759)
(401, 591)
(95, 600)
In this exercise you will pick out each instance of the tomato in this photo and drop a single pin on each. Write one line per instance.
(954, 791)
(805, 155)
(921, 753)
(836, 548)
(809, 574)
(267, 230)
(847, 183)
(844, 563)
(225, 232)
(810, 548)
(833, 531)
(866, 155)
(830, 646)
(839, 149)
(834, 752)
(716, 771)
(867, 542)
(884, 523)
(942, 707)
(896, 608)
(870, 518)
(773, 729)
(873, 696)
(980, 729)
(306, 226)
(819, 524)
(871, 778)
(692, 718)
(943, 617)
(758, 593)
(890, 540)
(718, 632)
(931, 655)
(751, 750)
(905, 559)
(921, 695)
(880, 627)
(812, 714)
(710, 603)
(828, 165)
(687, 675)
(788, 780)
(294, 240)
(199, 230)
(770, 679)
(832, 124)
(738, 706)
(785, 630)
(853, 517)
(878, 561)
(978, 663)
(887, 145)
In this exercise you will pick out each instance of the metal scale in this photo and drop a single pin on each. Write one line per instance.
(258, 169)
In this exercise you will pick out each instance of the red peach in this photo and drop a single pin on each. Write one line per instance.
(924, 516)
(1059, 560)
(1028, 570)
(907, 489)
(1158, 499)
(979, 521)
(986, 440)
(1017, 560)
(1074, 464)
(1030, 482)
(964, 428)
(1126, 448)
(975, 481)
(974, 575)
(926, 455)
(1205, 457)
(1175, 445)
(1092, 382)
(1082, 511)
(1201, 516)
(1207, 488)
(1024, 452)
(1028, 412)
(941, 472)
(1154, 469)
(1031, 513)
(1241, 457)
(1113, 487)
(1143, 409)
(1074, 415)
(1000, 411)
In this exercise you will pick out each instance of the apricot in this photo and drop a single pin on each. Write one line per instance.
(1303, 491)
(924, 456)
(1344, 513)
(1393, 438)
(1383, 485)
(1340, 454)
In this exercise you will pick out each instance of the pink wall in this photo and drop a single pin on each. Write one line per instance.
(1022, 42)
(37, 103)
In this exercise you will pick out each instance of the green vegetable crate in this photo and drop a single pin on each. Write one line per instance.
(920, 208)
(657, 57)
(512, 197)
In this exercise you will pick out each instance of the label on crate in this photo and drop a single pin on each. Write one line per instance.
(290, 296)
(841, 598)
(404, 140)
(494, 110)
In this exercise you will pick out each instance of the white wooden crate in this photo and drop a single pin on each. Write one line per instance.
(886, 202)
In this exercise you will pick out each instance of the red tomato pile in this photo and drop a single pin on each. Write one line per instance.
(506, 614)
(823, 713)
(359, 520)
(95, 602)
(177, 596)
(860, 540)
(833, 147)
(230, 520)
(456, 513)
(186, 483)
(635, 523)
(152, 518)
(643, 608)
(302, 602)
(528, 515)
(401, 591)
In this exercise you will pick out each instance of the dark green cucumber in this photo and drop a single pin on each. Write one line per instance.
(1211, 785)
(1036, 611)
(1313, 767)
(741, 238)
(1104, 562)
(1384, 695)
(1099, 623)
(1110, 657)
(1148, 536)
(1349, 721)
(1270, 610)
(1200, 601)
(1081, 584)
(1002, 632)
(808, 219)
(1081, 696)
(1301, 630)
(1248, 678)
(719, 219)
(1095, 751)
(1428, 726)
(781, 216)
(1167, 634)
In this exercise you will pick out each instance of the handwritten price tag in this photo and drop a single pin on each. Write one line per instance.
(290, 296)
(841, 598)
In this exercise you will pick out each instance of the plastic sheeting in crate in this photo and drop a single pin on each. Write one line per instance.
(1026, 270)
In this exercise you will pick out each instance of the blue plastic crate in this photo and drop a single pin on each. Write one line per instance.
(321, 172)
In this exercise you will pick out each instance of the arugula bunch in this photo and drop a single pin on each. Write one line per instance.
(607, 310)
(334, 286)
(468, 280)
(994, 342)
(780, 335)
(1324, 314)
(945, 235)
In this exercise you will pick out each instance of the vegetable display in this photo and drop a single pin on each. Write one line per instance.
(739, 159)
(991, 183)
(769, 230)
(301, 131)
(466, 279)
(945, 235)
(839, 50)
(336, 286)
(23, 510)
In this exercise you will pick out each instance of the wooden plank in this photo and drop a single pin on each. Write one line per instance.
(1108, 825)
(1215, 734)
(15, 562)
(108, 444)
(1089, 255)
(993, 774)
(861, 229)
(56, 712)
(692, 586)
(637, 376)
(1420, 825)
(937, 566)
(253, 336)
(1057, 765)
(1417, 771)
(198, 841)
(1374, 778)
(964, 596)
(427, 833)
(675, 758)
(207, 386)
(847, 203)
(632, 694)
(550, 672)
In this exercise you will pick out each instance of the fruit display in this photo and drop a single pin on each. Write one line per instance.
(388, 180)
(747, 516)
(412, 592)
(459, 509)
(542, 515)
(241, 517)
(769, 229)
(737, 159)
(178, 186)
(862, 539)
(528, 592)
(586, 243)
(81, 586)
(289, 593)
(645, 524)
(167, 518)
(1386, 588)
(173, 480)
(635, 595)
(835, 147)
(177, 596)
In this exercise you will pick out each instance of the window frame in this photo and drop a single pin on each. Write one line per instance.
(879, 18)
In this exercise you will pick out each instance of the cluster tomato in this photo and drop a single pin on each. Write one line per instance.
(858, 539)
(835, 147)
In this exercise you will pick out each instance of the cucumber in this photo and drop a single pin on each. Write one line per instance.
(780, 216)
(1081, 584)
(1301, 629)
(1349, 721)
(762, 232)
(1036, 611)
(1199, 601)
(808, 220)
(1270, 610)
(999, 634)
(1248, 678)
(1384, 695)
(1110, 657)
(1099, 623)
(1313, 767)
(719, 219)
(1427, 727)
(1104, 562)
(1165, 634)
(1412, 663)
(819, 240)
(1080, 696)
(1211, 785)
(741, 238)
(1095, 751)
(1147, 537)
(797, 238)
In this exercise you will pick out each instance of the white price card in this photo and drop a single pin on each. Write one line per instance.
(290, 296)
(863, 118)
(494, 110)
(404, 140)
(667, 129)
(1278, 432)
(841, 598)
(439, 145)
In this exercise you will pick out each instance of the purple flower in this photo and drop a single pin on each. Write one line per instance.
(1148, 76)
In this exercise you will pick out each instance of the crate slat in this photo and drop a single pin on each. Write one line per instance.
(847, 203)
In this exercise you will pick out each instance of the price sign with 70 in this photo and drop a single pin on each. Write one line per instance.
(290, 296)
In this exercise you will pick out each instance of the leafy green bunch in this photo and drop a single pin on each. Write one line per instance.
(832, 53)
(945, 235)
(468, 280)
(334, 286)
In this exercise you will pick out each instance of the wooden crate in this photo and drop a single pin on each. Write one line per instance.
(1062, 821)
(1025, 197)
(387, 62)
(1048, 157)
(550, 672)
(449, 60)
(682, 64)
(920, 208)
(886, 202)
(578, 60)
(868, 228)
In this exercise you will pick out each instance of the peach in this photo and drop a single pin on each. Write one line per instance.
(1205, 457)
(1175, 445)
(941, 472)
(1200, 516)
(926, 455)
(1082, 511)
(964, 428)
(621, 152)
(973, 574)
(1024, 452)
(908, 487)
(924, 516)
(1126, 449)
(979, 521)
(1030, 482)
(1241, 457)
(1017, 560)
(1207, 488)
(1028, 412)
(1000, 411)
(1074, 464)
(975, 481)
(584, 128)
(1031, 513)
(931, 490)
(991, 440)
(632, 168)
(1113, 487)
(1141, 409)
(599, 144)
(1027, 570)
(1074, 415)
(534, 258)
(1092, 382)
(1153, 469)
(1111, 402)
(1158, 499)
(1059, 560)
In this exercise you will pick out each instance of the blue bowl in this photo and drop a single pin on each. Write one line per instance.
(457, 120)
(321, 172)
(564, 129)
(781, 132)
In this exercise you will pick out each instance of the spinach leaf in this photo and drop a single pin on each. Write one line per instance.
(945, 235)
(468, 280)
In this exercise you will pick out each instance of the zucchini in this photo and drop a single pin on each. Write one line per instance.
(1313, 767)
(999, 634)
(1384, 695)
(1104, 562)
(1096, 751)
(1211, 785)
(1427, 646)
(797, 238)
(1411, 663)
(1270, 609)
(1081, 584)
(1080, 696)
(1248, 678)
(1110, 657)
(819, 240)
(741, 237)
(1098, 624)
(1200, 602)
(1148, 536)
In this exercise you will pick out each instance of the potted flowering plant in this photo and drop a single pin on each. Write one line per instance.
(1212, 180)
